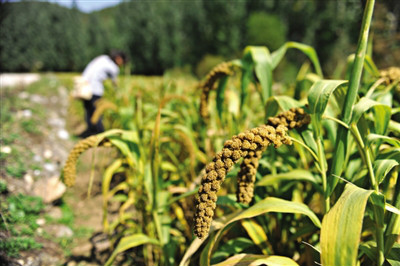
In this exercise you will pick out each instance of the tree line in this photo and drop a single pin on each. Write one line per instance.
(42, 36)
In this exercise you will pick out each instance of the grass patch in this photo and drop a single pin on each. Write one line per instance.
(19, 214)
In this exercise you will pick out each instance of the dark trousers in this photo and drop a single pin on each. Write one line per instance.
(90, 107)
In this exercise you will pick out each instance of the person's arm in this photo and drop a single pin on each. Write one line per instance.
(113, 72)
(113, 75)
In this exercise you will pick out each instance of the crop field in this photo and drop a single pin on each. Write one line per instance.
(236, 167)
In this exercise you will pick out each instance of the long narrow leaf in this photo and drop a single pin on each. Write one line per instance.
(130, 242)
(257, 260)
(295, 175)
(263, 69)
(256, 233)
(393, 228)
(376, 137)
(383, 167)
(232, 246)
(341, 228)
(277, 56)
(108, 174)
(267, 205)
(320, 93)
(124, 148)
(195, 245)
(382, 113)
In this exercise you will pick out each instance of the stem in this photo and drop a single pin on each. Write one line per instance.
(357, 68)
(366, 156)
(335, 120)
(306, 147)
(379, 241)
(322, 165)
(92, 172)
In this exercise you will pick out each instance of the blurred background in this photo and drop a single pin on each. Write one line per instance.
(191, 36)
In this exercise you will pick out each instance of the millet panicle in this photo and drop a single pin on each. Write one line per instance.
(250, 145)
(69, 169)
(221, 70)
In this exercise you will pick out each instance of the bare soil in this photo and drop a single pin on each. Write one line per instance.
(80, 248)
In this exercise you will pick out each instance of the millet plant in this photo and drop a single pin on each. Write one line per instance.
(315, 183)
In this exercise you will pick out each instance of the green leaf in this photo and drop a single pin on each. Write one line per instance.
(148, 183)
(376, 137)
(394, 256)
(392, 209)
(232, 246)
(339, 96)
(271, 204)
(228, 200)
(194, 246)
(262, 65)
(131, 136)
(168, 166)
(309, 140)
(318, 98)
(257, 260)
(309, 51)
(370, 66)
(391, 153)
(393, 227)
(295, 175)
(319, 95)
(105, 184)
(256, 233)
(369, 249)
(267, 205)
(382, 113)
(277, 55)
(130, 242)
(341, 228)
(111, 133)
(383, 167)
(124, 148)
(392, 232)
(378, 201)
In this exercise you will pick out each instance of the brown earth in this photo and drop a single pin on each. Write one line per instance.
(80, 248)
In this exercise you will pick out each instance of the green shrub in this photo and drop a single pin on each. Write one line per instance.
(265, 29)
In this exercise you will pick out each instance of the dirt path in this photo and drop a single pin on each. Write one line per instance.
(64, 242)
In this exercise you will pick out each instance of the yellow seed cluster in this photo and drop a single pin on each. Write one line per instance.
(247, 176)
(391, 74)
(221, 70)
(70, 165)
(294, 118)
(250, 145)
(101, 106)
(239, 146)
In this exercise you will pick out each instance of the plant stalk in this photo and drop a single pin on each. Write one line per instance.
(357, 68)
(379, 242)
(366, 156)
(322, 165)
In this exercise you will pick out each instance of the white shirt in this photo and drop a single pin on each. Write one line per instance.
(98, 70)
